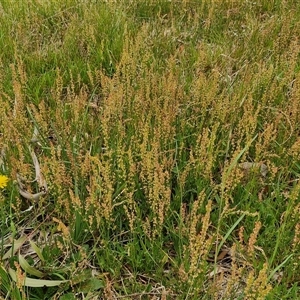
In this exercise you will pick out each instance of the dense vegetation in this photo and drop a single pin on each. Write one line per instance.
(152, 149)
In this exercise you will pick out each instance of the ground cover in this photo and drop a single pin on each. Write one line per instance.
(149, 149)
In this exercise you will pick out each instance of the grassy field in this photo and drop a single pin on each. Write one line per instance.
(149, 149)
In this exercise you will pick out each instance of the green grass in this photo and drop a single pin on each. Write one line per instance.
(140, 114)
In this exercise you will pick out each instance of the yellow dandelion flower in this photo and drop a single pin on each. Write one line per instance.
(3, 181)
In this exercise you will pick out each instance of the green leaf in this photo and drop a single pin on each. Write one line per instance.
(68, 296)
(28, 268)
(37, 250)
(229, 232)
(31, 282)
(235, 161)
(16, 245)
(91, 285)
(279, 267)
(4, 281)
